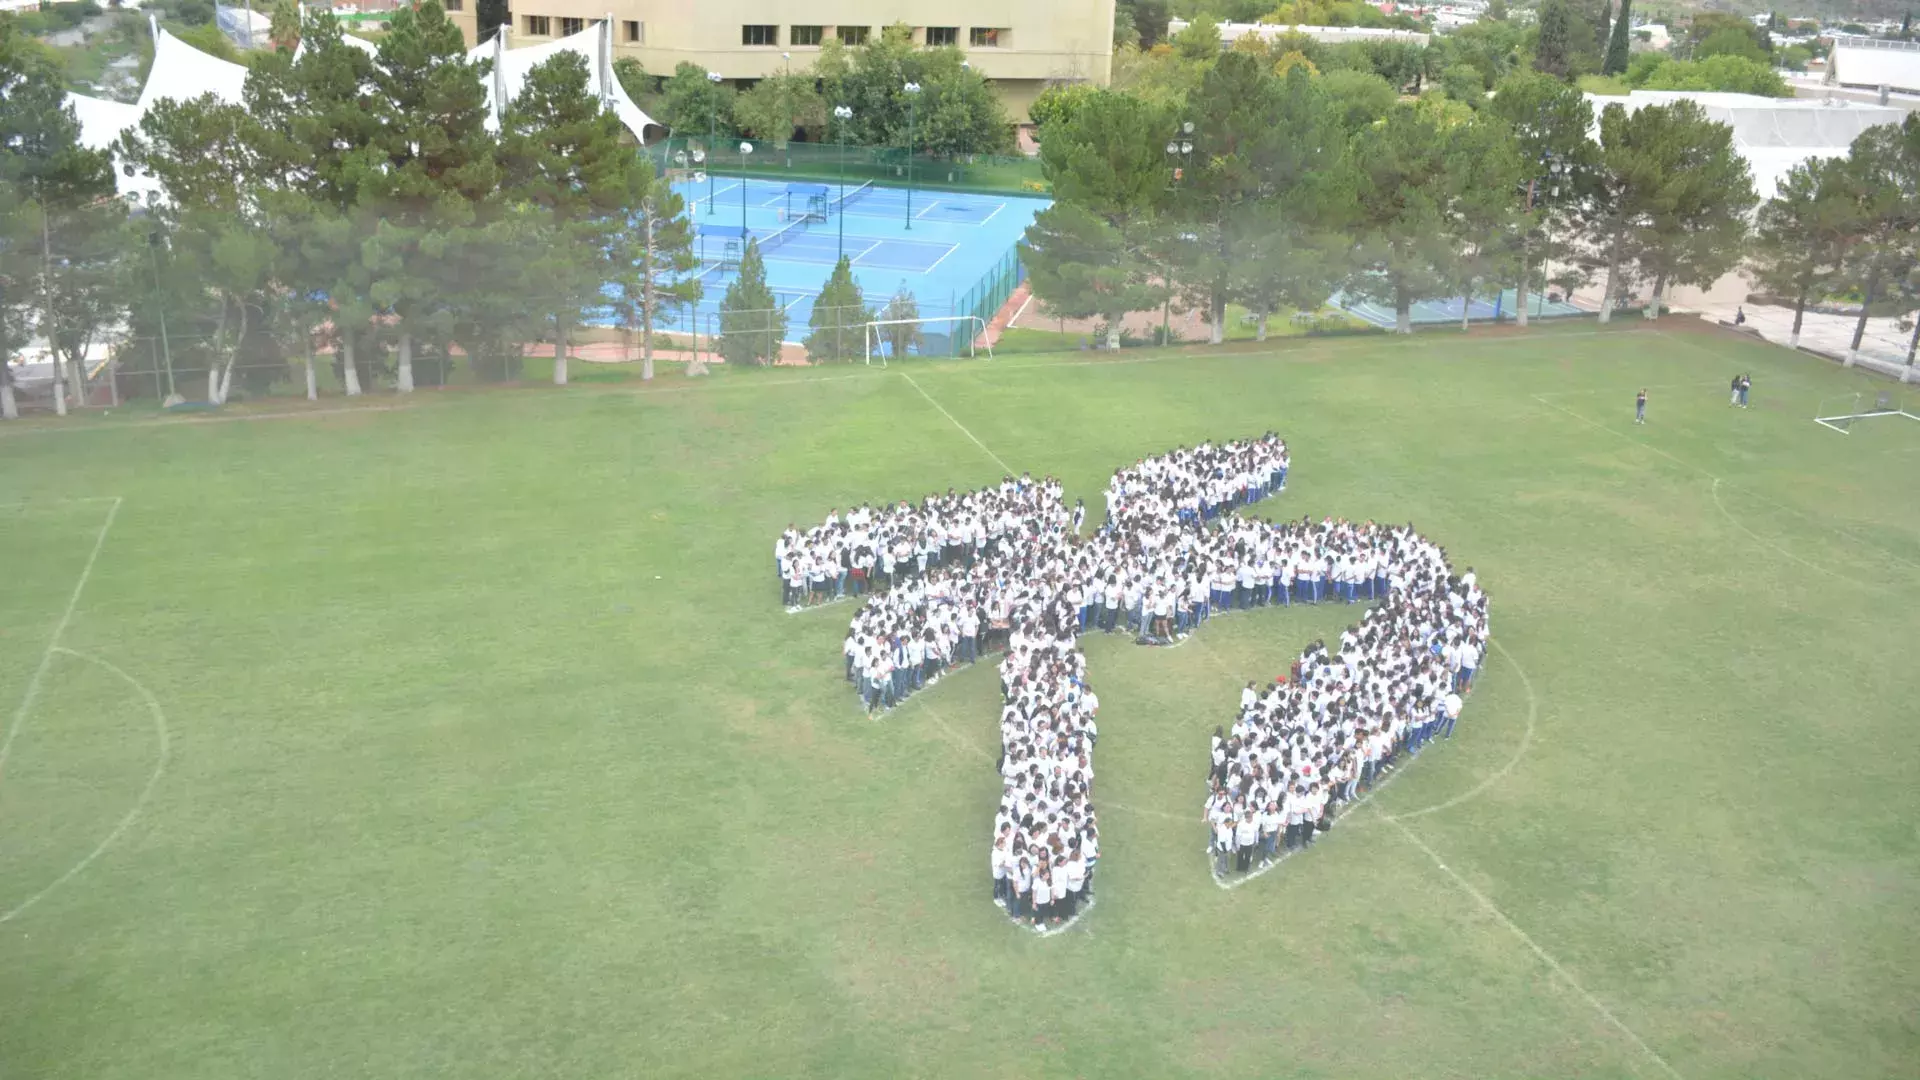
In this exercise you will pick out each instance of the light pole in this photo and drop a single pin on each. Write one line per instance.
(913, 96)
(745, 149)
(1556, 170)
(713, 129)
(842, 114)
(160, 306)
(1180, 152)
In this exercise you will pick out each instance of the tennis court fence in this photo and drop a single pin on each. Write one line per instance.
(830, 162)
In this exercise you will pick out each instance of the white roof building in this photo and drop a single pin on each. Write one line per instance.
(1771, 134)
(1231, 32)
(1872, 63)
(181, 72)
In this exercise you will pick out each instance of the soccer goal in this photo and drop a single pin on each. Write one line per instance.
(1845, 410)
(944, 335)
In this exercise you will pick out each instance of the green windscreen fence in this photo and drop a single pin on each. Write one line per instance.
(827, 162)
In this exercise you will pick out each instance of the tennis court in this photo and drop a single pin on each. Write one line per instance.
(955, 252)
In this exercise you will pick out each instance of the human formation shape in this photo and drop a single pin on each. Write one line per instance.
(1011, 568)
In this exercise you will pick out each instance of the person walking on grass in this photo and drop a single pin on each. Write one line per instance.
(1640, 407)
(1746, 385)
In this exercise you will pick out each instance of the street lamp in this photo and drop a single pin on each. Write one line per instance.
(1180, 152)
(745, 149)
(842, 114)
(713, 129)
(913, 95)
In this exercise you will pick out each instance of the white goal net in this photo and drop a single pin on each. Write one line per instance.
(944, 335)
(1843, 411)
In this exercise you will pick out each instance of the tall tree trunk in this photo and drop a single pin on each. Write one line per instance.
(646, 302)
(1113, 330)
(233, 357)
(1799, 313)
(1913, 344)
(559, 351)
(9, 408)
(1860, 327)
(1217, 308)
(1613, 282)
(404, 372)
(1402, 310)
(82, 392)
(313, 387)
(1260, 333)
(349, 369)
(1652, 310)
(1466, 312)
(1520, 290)
(53, 323)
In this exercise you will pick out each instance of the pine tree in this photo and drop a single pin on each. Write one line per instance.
(658, 256)
(901, 334)
(437, 175)
(562, 152)
(1553, 50)
(752, 322)
(1619, 46)
(840, 315)
(58, 259)
(1404, 250)
(1802, 235)
(1605, 27)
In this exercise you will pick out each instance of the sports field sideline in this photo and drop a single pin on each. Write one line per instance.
(467, 737)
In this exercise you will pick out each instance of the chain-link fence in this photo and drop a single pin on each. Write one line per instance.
(829, 162)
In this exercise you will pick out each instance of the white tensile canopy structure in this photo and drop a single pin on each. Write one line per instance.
(181, 72)
(512, 66)
(1771, 134)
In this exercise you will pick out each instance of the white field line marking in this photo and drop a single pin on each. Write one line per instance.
(1695, 385)
(1124, 808)
(997, 207)
(1024, 304)
(153, 779)
(927, 211)
(1545, 958)
(53, 643)
(1260, 872)
(870, 249)
(1526, 740)
(963, 428)
(1682, 462)
(955, 737)
(951, 248)
(804, 608)
(1777, 549)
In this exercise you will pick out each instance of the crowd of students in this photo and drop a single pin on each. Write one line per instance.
(955, 576)
(1342, 717)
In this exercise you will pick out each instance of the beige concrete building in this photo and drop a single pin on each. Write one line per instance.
(1022, 45)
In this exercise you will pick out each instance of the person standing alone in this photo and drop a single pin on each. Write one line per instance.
(1640, 407)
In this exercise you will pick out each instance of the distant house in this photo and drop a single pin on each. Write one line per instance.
(1874, 63)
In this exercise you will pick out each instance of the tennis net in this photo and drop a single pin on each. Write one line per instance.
(774, 240)
(853, 196)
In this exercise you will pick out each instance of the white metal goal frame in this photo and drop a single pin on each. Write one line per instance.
(872, 332)
(1883, 403)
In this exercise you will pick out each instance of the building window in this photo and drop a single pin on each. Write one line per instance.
(755, 34)
(853, 35)
(939, 36)
(805, 35)
(538, 26)
(634, 32)
(570, 27)
(987, 37)
(456, 5)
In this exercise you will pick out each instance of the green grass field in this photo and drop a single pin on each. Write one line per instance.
(468, 739)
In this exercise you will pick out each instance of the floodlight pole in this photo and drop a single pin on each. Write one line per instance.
(842, 114)
(713, 132)
(745, 149)
(913, 96)
(159, 305)
(1180, 149)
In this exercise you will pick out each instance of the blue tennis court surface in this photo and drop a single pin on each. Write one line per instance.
(951, 251)
(1445, 311)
